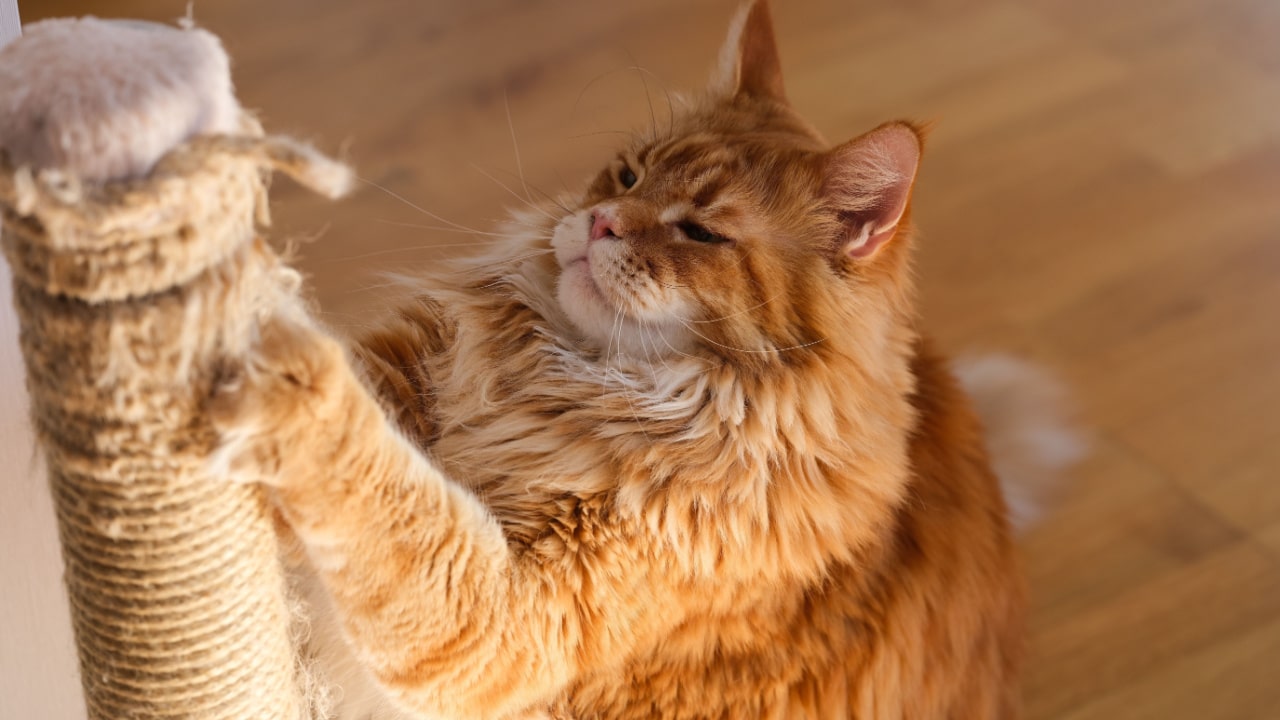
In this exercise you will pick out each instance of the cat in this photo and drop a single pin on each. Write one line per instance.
(680, 451)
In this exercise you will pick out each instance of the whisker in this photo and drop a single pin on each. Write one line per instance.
(419, 208)
(564, 185)
(671, 107)
(626, 394)
(439, 228)
(653, 120)
(763, 351)
(515, 145)
(491, 238)
(514, 194)
(599, 132)
(374, 286)
(500, 262)
(656, 351)
(546, 196)
(582, 93)
(393, 251)
(736, 314)
(615, 334)
(681, 353)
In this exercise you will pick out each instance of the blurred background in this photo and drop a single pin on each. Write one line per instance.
(1101, 194)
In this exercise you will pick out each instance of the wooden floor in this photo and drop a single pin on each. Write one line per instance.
(1101, 193)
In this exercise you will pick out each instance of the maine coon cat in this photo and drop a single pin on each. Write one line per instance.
(680, 453)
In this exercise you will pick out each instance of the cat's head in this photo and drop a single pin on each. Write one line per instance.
(740, 232)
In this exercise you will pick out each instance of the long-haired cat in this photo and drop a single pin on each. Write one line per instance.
(681, 453)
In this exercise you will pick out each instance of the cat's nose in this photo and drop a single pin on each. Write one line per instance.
(602, 225)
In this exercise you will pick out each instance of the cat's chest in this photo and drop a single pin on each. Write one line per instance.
(521, 430)
(522, 441)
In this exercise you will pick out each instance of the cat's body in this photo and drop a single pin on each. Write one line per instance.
(914, 611)
(678, 454)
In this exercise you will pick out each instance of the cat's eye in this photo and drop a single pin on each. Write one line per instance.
(697, 233)
(627, 177)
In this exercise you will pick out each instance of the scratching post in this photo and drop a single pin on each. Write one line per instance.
(133, 296)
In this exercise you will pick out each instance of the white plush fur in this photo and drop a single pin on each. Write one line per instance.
(1029, 430)
(104, 99)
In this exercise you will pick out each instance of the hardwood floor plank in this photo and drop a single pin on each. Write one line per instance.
(1125, 641)
(1137, 527)
(1230, 680)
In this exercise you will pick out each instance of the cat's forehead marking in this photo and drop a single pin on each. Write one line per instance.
(707, 188)
(675, 212)
(692, 154)
(696, 168)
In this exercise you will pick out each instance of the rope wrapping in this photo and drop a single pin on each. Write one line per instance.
(133, 297)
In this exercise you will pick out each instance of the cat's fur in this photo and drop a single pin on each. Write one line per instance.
(681, 454)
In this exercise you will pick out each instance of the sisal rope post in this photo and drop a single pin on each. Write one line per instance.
(133, 296)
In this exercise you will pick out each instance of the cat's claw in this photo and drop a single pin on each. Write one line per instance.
(271, 407)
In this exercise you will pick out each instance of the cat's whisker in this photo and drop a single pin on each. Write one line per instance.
(672, 286)
(497, 268)
(593, 133)
(653, 120)
(730, 316)
(513, 260)
(679, 352)
(538, 229)
(373, 286)
(615, 355)
(528, 202)
(656, 351)
(617, 370)
(669, 286)
(466, 231)
(583, 92)
(547, 196)
(411, 248)
(671, 108)
(515, 144)
(563, 185)
(347, 321)
(754, 351)
(417, 207)
(489, 239)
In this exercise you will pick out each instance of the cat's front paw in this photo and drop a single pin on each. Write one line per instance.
(275, 414)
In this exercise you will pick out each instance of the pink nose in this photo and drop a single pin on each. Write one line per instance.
(602, 225)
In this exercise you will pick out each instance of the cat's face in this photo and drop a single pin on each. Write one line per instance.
(736, 231)
(702, 236)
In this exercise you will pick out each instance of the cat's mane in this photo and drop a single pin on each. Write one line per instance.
(525, 414)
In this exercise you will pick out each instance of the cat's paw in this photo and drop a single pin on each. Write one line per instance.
(274, 414)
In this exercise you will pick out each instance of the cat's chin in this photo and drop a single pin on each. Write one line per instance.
(608, 329)
(578, 287)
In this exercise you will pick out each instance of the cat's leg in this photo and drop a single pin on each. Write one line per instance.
(439, 609)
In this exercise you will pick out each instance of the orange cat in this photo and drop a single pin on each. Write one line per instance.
(681, 454)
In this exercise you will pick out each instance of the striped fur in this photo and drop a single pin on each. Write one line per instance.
(650, 476)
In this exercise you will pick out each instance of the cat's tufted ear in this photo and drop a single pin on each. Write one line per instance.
(749, 63)
(869, 181)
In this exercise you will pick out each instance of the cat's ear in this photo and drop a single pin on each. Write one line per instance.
(749, 63)
(869, 181)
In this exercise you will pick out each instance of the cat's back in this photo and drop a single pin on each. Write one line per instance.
(946, 614)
